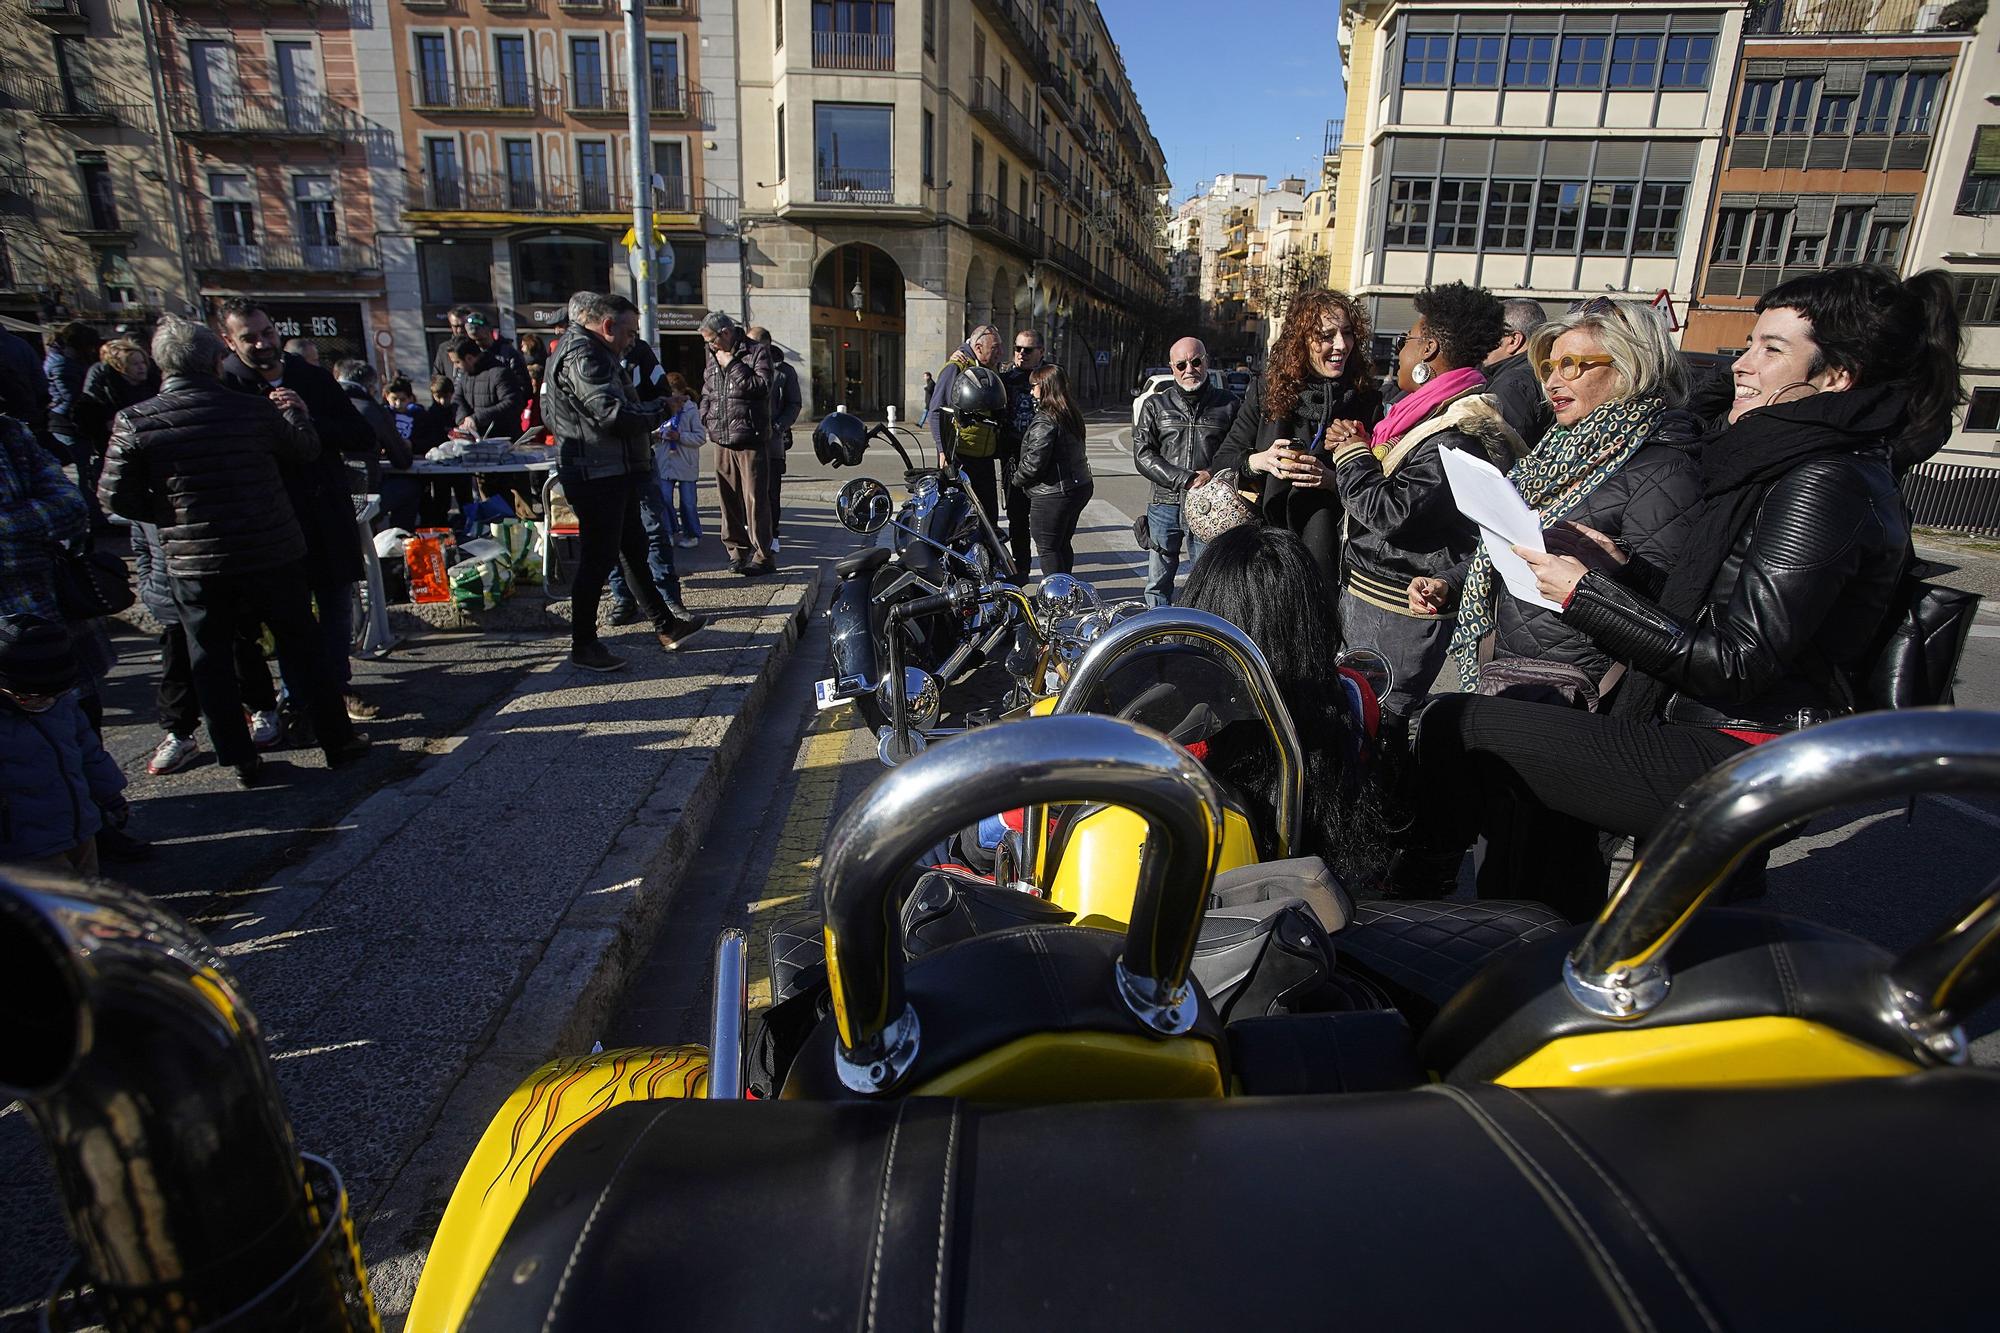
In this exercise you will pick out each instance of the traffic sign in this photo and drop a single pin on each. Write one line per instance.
(660, 262)
(1103, 359)
(1664, 303)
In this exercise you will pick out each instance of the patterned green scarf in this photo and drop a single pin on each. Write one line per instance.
(1568, 464)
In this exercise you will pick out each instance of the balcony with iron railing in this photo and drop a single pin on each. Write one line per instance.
(320, 11)
(75, 100)
(1016, 27)
(853, 50)
(988, 214)
(437, 95)
(1825, 18)
(284, 255)
(1069, 257)
(836, 184)
(62, 15)
(666, 99)
(496, 192)
(18, 191)
(1056, 169)
(237, 116)
(83, 215)
(1003, 117)
(1334, 130)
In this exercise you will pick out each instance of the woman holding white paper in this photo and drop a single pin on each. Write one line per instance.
(1770, 615)
(1619, 461)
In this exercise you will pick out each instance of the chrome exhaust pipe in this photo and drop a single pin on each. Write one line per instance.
(143, 1071)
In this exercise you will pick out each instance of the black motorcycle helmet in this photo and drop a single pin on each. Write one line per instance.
(978, 392)
(840, 439)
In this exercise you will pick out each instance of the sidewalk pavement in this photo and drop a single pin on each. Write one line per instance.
(477, 916)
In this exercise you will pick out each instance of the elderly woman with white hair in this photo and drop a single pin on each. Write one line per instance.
(1620, 461)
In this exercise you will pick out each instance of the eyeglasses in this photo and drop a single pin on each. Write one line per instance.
(1192, 363)
(1570, 367)
(1023, 349)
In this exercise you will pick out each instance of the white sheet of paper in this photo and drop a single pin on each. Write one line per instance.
(1486, 497)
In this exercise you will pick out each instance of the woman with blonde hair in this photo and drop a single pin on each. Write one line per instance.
(121, 377)
(1619, 460)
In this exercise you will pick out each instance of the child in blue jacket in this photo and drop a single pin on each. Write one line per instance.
(57, 785)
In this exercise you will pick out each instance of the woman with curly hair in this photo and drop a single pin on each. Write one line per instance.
(1401, 521)
(1318, 374)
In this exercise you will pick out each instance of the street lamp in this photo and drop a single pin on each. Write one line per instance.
(856, 298)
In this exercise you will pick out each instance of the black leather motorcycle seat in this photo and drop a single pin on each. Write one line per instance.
(1727, 963)
(1424, 952)
(1862, 1205)
(861, 562)
(979, 994)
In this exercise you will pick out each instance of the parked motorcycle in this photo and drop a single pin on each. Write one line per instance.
(1551, 1129)
(938, 535)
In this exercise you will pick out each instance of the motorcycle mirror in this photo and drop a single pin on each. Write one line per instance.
(923, 698)
(915, 743)
(1371, 666)
(864, 506)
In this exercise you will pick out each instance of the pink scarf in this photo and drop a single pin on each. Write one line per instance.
(1420, 402)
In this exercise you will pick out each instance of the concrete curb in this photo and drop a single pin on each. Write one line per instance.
(561, 1002)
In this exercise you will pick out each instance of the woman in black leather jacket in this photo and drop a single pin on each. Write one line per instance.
(1776, 603)
(1319, 373)
(1054, 471)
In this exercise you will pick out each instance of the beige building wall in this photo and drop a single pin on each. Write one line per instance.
(88, 221)
(1360, 59)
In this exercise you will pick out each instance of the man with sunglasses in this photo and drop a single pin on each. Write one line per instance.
(1020, 412)
(1178, 432)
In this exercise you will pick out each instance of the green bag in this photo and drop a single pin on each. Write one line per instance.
(979, 439)
(520, 548)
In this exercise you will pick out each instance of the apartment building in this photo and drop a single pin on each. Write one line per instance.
(84, 176)
(1831, 151)
(517, 169)
(1558, 150)
(913, 170)
(1958, 229)
(277, 167)
(1196, 232)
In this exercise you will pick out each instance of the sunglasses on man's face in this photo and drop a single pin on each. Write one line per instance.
(1192, 363)
(1020, 350)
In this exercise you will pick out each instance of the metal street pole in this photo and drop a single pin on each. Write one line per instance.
(638, 83)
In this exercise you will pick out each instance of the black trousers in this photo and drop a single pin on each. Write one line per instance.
(984, 473)
(1053, 520)
(1540, 782)
(1020, 540)
(610, 532)
(179, 709)
(214, 612)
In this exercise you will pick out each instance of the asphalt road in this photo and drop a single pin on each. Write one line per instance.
(1891, 877)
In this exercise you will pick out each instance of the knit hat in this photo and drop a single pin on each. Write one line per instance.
(35, 656)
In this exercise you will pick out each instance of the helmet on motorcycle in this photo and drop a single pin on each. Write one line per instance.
(978, 392)
(840, 439)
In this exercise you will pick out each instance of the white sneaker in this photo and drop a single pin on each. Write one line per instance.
(687, 541)
(774, 545)
(266, 729)
(173, 754)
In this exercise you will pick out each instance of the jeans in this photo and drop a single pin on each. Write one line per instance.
(683, 515)
(214, 612)
(1053, 520)
(610, 531)
(656, 521)
(179, 709)
(1163, 561)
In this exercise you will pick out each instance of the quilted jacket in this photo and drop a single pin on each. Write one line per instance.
(736, 398)
(1648, 506)
(39, 507)
(54, 779)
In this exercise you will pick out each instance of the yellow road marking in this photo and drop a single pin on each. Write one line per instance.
(794, 864)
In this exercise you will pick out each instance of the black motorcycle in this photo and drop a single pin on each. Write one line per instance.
(904, 586)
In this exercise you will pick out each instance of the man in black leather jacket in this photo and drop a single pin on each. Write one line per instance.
(1178, 432)
(1514, 384)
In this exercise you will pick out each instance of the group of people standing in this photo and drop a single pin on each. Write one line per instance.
(1034, 450)
(1720, 558)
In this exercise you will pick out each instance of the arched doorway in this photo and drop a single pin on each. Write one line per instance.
(857, 332)
(1003, 305)
(978, 295)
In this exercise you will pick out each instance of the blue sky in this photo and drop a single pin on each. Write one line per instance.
(1243, 85)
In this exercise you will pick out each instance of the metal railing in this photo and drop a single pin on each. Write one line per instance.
(1794, 18)
(667, 99)
(1334, 130)
(1013, 124)
(77, 99)
(56, 9)
(1952, 496)
(316, 116)
(989, 214)
(854, 185)
(853, 50)
(495, 192)
(285, 256)
(78, 213)
(435, 95)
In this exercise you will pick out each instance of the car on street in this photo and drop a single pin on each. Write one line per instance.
(1238, 382)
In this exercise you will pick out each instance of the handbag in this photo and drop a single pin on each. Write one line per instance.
(1213, 509)
(1142, 533)
(1917, 658)
(90, 585)
(1558, 683)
